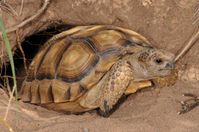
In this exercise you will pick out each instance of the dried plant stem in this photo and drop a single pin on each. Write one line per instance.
(190, 43)
(8, 7)
(21, 8)
(9, 52)
(8, 48)
(196, 15)
(39, 12)
(192, 40)
(6, 125)
(21, 49)
(9, 102)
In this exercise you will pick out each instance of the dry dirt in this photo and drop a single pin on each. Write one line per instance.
(167, 23)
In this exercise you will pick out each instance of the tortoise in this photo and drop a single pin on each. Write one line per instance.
(90, 67)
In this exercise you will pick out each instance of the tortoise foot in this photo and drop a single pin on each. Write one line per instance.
(106, 112)
(189, 104)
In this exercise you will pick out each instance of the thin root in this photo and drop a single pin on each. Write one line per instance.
(39, 12)
(21, 49)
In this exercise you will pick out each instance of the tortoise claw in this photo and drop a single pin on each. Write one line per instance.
(106, 107)
(190, 95)
(106, 111)
(189, 104)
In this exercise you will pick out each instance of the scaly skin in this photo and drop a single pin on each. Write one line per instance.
(167, 80)
(132, 69)
(115, 84)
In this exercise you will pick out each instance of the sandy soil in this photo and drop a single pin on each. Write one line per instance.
(150, 110)
(168, 24)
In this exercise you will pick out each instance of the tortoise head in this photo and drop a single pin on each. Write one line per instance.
(151, 63)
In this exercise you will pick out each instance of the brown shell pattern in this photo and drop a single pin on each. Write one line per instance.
(74, 61)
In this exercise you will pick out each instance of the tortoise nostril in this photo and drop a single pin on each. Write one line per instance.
(170, 65)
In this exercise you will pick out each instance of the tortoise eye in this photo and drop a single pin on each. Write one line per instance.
(158, 61)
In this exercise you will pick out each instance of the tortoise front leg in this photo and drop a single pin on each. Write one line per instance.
(113, 85)
(116, 82)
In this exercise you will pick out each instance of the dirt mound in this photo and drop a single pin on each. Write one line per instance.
(151, 110)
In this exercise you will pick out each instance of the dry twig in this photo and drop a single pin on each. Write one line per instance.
(8, 8)
(192, 40)
(21, 49)
(39, 12)
(6, 125)
(21, 8)
(196, 14)
(9, 103)
(190, 43)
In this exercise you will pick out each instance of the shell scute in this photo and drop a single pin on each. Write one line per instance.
(35, 96)
(76, 62)
(60, 90)
(73, 62)
(45, 91)
(51, 59)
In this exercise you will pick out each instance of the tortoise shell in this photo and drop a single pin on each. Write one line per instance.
(72, 62)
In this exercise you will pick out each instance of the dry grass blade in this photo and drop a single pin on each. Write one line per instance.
(39, 12)
(21, 49)
(8, 48)
(9, 103)
(190, 43)
(9, 51)
(2, 121)
(21, 8)
(8, 8)
(196, 16)
(192, 40)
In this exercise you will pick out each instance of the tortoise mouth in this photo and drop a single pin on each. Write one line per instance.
(168, 66)
(166, 69)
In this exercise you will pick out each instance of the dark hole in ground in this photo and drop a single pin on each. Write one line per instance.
(30, 46)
